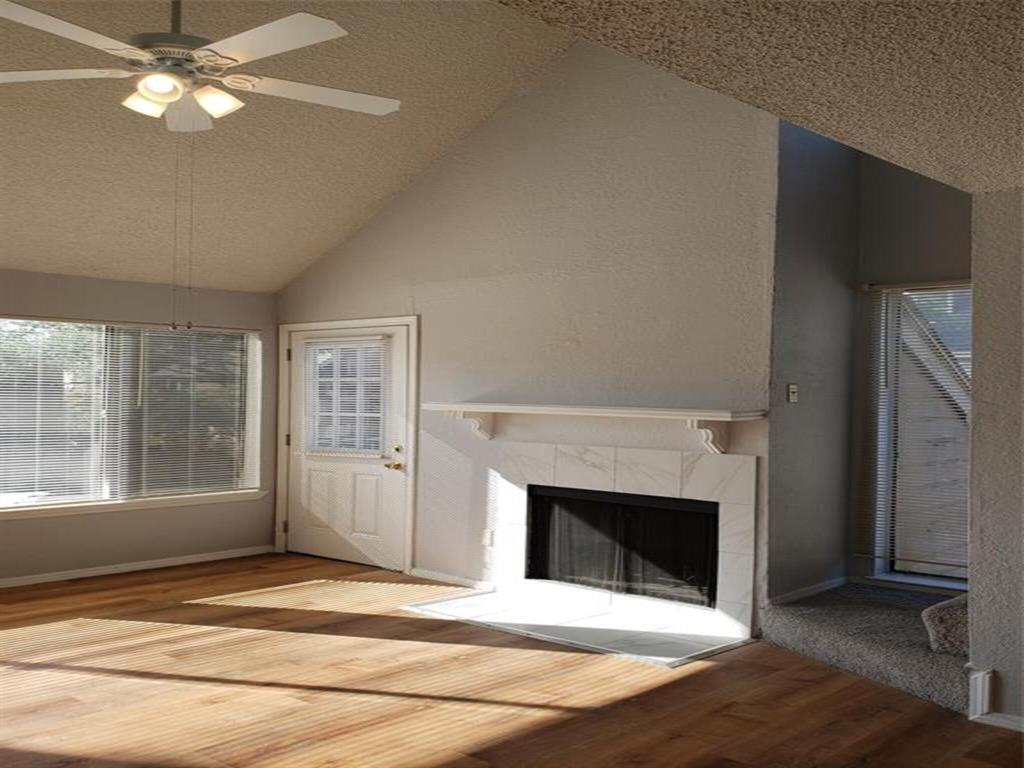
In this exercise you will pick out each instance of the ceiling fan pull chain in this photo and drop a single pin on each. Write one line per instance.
(174, 238)
(190, 264)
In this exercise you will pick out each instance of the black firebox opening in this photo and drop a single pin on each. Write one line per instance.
(624, 542)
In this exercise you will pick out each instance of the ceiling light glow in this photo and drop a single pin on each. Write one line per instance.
(162, 87)
(139, 103)
(216, 102)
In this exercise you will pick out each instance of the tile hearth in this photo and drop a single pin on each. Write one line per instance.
(655, 631)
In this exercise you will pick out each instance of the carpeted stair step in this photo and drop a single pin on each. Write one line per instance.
(946, 623)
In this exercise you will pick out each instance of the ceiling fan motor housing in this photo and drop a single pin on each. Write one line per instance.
(172, 44)
(181, 54)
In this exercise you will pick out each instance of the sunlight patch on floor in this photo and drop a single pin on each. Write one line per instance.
(348, 596)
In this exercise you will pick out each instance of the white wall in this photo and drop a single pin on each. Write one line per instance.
(606, 239)
(997, 459)
(53, 544)
(812, 346)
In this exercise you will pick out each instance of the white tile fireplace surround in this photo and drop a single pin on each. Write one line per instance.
(651, 629)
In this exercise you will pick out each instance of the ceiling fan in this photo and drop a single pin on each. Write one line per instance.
(174, 72)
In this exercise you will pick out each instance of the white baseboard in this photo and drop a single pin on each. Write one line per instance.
(423, 573)
(141, 565)
(1001, 720)
(979, 691)
(813, 589)
(979, 709)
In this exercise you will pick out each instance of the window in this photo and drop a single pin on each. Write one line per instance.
(345, 396)
(915, 516)
(93, 412)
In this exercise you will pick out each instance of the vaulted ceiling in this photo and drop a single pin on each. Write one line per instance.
(88, 187)
(936, 86)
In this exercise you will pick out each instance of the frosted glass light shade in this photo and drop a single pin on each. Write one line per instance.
(216, 102)
(139, 103)
(161, 87)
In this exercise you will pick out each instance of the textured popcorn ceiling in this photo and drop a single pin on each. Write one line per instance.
(933, 86)
(88, 188)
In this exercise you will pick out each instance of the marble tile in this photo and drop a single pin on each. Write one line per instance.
(735, 577)
(725, 478)
(656, 473)
(709, 623)
(528, 463)
(631, 625)
(506, 501)
(740, 614)
(661, 646)
(509, 558)
(584, 466)
(736, 528)
(582, 633)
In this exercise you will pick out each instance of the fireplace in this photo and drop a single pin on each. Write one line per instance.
(631, 543)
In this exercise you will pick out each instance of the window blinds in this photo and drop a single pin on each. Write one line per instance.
(914, 495)
(93, 412)
(345, 396)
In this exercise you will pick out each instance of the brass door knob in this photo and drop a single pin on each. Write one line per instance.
(393, 465)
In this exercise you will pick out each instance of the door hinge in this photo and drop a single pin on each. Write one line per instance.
(284, 526)
(287, 439)
(288, 355)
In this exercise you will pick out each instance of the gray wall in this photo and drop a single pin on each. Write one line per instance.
(997, 458)
(49, 544)
(812, 345)
(844, 219)
(606, 239)
(913, 229)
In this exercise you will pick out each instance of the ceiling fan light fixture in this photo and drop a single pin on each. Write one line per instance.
(217, 103)
(139, 103)
(162, 87)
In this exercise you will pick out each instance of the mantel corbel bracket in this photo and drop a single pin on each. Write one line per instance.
(480, 424)
(714, 435)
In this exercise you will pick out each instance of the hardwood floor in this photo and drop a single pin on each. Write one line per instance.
(299, 662)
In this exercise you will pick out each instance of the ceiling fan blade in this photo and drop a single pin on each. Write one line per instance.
(61, 28)
(186, 116)
(32, 75)
(287, 34)
(315, 94)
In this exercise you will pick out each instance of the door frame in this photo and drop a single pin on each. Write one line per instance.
(285, 331)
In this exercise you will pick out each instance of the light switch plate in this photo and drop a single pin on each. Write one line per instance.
(792, 393)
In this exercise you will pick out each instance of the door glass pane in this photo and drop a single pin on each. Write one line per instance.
(345, 401)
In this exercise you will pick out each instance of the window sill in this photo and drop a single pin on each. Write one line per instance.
(924, 583)
(155, 502)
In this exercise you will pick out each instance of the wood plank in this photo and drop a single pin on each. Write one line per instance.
(292, 661)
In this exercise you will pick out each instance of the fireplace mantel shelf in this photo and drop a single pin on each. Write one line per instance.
(481, 416)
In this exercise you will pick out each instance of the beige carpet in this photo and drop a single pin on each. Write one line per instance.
(873, 632)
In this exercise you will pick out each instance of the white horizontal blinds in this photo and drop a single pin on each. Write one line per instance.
(142, 412)
(51, 406)
(182, 400)
(345, 396)
(916, 496)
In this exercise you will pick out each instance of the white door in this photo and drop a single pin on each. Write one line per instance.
(347, 477)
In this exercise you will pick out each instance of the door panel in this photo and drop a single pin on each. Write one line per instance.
(367, 505)
(347, 496)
